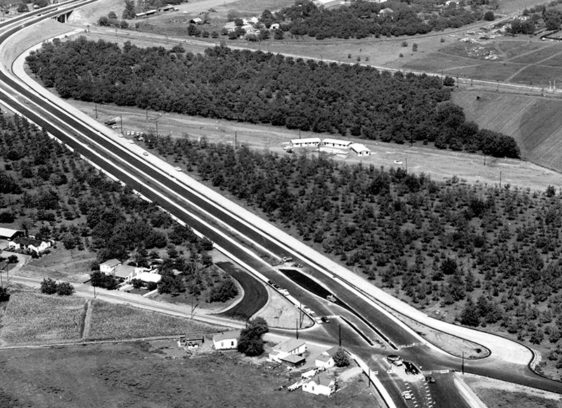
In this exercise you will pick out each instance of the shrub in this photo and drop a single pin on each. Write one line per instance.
(65, 289)
(341, 358)
(48, 286)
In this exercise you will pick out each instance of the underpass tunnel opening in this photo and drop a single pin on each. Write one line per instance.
(63, 18)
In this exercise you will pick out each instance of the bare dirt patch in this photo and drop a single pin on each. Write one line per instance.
(279, 312)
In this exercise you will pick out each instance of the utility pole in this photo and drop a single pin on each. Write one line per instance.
(462, 363)
(500, 179)
(121, 118)
(94, 291)
(297, 328)
(96, 109)
(339, 334)
(235, 138)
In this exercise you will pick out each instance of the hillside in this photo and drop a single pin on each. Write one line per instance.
(535, 123)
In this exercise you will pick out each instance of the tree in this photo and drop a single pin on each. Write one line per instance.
(469, 315)
(129, 12)
(65, 289)
(250, 341)
(552, 19)
(4, 295)
(48, 286)
(489, 16)
(341, 358)
(22, 8)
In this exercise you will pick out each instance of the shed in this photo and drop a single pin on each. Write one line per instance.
(294, 360)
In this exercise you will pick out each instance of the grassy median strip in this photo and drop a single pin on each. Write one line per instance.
(35, 318)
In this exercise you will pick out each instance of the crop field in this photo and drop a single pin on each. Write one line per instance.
(530, 62)
(139, 374)
(31, 317)
(111, 321)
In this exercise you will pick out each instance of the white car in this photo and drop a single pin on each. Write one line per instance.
(407, 395)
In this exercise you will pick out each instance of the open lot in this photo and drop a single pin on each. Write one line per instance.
(139, 374)
(500, 394)
(111, 321)
(34, 318)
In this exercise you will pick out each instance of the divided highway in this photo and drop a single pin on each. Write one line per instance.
(179, 195)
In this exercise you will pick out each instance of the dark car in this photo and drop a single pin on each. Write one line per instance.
(430, 379)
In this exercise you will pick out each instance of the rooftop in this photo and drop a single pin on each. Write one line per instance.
(8, 232)
(290, 345)
(232, 334)
(111, 263)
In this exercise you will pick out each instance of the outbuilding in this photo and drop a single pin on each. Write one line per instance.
(305, 143)
(360, 149)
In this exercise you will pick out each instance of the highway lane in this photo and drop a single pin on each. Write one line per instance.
(396, 334)
(68, 124)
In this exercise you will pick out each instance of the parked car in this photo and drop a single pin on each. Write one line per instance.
(407, 395)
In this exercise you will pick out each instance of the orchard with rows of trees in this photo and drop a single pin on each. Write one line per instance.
(362, 19)
(259, 87)
(490, 252)
(50, 192)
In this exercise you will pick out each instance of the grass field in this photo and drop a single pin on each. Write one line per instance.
(34, 318)
(499, 394)
(111, 321)
(535, 123)
(140, 375)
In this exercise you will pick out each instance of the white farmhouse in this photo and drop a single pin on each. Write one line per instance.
(108, 267)
(326, 359)
(227, 340)
(321, 384)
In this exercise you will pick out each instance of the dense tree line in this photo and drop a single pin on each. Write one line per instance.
(362, 19)
(50, 192)
(261, 87)
(491, 251)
